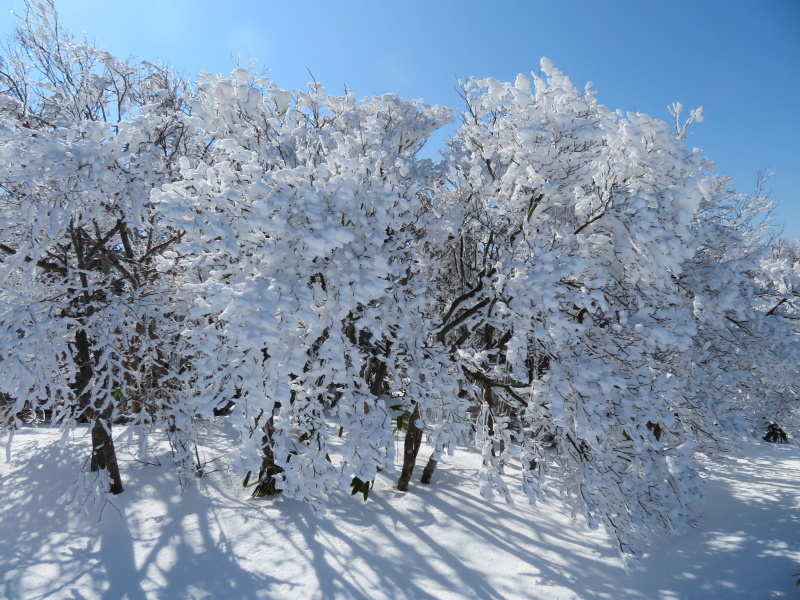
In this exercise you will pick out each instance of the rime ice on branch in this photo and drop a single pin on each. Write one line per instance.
(569, 287)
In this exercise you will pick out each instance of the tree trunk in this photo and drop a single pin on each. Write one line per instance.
(104, 455)
(427, 473)
(266, 484)
(410, 450)
(501, 445)
(376, 378)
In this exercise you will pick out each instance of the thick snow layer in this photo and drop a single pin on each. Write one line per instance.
(441, 541)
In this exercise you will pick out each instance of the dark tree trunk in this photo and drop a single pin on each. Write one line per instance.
(104, 455)
(501, 445)
(427, 473)
(266, 484)
(410, 450)
(376, 379)
(488, 397)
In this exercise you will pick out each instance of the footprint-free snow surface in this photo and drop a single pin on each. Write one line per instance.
(212, 542)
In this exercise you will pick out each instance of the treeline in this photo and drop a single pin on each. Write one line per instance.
(569, 285)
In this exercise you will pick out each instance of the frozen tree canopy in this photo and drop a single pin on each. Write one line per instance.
(569, 285)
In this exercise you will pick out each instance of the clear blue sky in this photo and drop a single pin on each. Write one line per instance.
(739, 59)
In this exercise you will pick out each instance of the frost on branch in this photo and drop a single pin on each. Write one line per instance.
(302, 227)
(88, 323)
(570, 287)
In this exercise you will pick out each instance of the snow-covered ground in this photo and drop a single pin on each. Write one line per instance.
(442, 541)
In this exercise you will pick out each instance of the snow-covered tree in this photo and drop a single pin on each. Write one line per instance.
(770, 384)
(310, 307)
(571, 284)
(743, 358)
(562, 298)
(86, 319)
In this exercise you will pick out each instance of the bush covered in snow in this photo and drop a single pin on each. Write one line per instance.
(569, 284)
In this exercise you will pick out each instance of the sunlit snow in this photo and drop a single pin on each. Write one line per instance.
(435, 542)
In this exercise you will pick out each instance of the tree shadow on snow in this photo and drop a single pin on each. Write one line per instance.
(165, 546)
(445, 541)
(414, 566)
(747, 541)
(544, 553)
(432, 542)
(191, 556)
(45, 549)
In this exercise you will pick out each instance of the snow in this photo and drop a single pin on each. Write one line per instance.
(442, 541)
(610, 319)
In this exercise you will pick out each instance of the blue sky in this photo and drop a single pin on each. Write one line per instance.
(738, 59)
